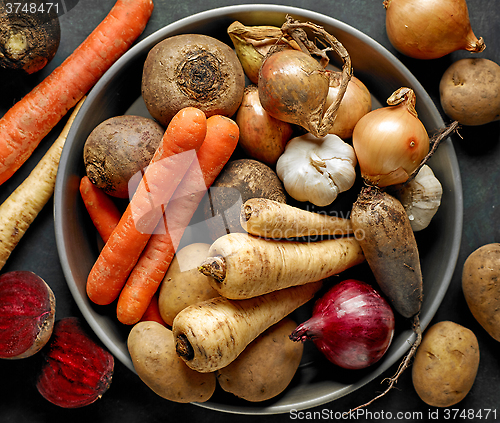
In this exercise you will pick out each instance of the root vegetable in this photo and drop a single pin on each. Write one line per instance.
(351, 324)
(183, 284)
(77, 371)
(25, 124)
(382, 228)
(470, 91)
(103, 211)
(446, 364)
(152, 349)
(430, 29)
(117, 149)
(262, 137)
(266, 367)
(271, 219)
(21, 208)
(243, 266)
(170, 162)
(27, 310)
(239, 181)
(212, 334)
(149, 271)
(152, 313)
(192, 70)
(28, 40)
(480, 286)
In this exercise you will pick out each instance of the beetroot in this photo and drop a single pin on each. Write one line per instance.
(77, 370)
(27, 309)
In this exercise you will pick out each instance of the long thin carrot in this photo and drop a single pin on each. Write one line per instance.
(152, 313)
(220, 142)
(27, 122)
(102, 210)
(175, 154)
(21, 208)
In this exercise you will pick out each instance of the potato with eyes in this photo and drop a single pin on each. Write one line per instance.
(446, 364)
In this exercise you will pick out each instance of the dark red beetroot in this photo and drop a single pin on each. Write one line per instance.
(352, 325)
(77, 370)
(27, 309)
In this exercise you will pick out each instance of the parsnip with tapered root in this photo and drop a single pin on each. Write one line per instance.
(211, 334)
(243, 266)
(21, 208)
(270, 219)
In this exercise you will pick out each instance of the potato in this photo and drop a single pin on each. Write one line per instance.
(481, 287)
(470, 91)
(117, 149)
(267, 365)
(446, 364)
(183, 284)
(239, 181)
(152, 349)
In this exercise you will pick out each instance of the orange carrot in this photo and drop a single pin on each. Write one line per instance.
(27, 122)
(175, 154)
(152, 313)
(220, 142)
(101, 208)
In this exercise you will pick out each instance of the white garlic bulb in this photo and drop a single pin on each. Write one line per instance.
(317, 169)
(421, 198)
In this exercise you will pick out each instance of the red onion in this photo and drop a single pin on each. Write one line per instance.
(352, 325)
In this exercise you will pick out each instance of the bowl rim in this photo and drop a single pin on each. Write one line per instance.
(423, 99)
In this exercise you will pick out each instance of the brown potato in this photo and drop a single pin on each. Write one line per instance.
(183, 284)
(481, 287)
(446, 364)
(119, 148)
(267, 365)
(152, 348)
(470, 91)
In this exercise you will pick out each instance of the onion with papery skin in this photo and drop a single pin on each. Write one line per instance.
(429, 29)
(262, 137)
(391, 142)
(356, 103)
(352, 325)
(293, 85)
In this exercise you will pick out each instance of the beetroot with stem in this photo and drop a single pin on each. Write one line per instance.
(77, 370)
(27, 310)
(351, 324)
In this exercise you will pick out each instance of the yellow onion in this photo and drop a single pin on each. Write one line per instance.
(356, 103)
(391, 142)
(429, 29)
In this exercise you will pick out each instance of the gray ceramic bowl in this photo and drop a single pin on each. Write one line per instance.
(119, 90)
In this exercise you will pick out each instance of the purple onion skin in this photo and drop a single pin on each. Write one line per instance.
(351, 324)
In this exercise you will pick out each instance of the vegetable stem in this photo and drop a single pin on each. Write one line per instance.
(184, 347)
(214, 267)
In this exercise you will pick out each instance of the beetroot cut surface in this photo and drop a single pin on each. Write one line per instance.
(27, 311)
(77, 370)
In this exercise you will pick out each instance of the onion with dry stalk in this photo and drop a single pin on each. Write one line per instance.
(429, 29)
(293, 84)
(390, 142)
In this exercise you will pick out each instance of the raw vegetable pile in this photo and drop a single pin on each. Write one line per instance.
(251, 161)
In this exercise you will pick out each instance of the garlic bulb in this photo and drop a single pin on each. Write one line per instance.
(421, 198)
(317, 169)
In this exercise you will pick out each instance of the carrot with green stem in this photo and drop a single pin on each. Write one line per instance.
(21, 208)
(26, 123)
(173, 157)
(271, 219)
(144, 280)
(243, 266)
(102, 210)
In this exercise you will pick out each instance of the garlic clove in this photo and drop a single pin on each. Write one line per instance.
(421, 198)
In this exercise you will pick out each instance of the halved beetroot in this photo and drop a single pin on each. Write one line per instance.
(27, 310)
(77, 370)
